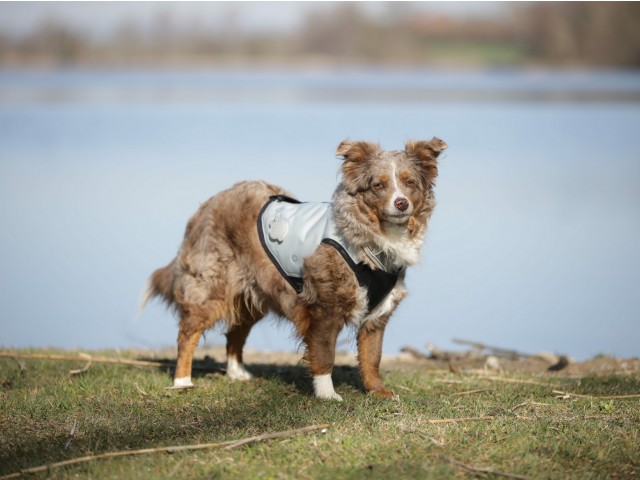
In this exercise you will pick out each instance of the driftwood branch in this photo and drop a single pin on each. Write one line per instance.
(497, 351)
(416, 353)
(180, 448)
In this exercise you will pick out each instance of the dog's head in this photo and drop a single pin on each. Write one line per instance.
(392, 187)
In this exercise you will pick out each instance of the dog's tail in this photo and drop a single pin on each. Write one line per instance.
(160, 283)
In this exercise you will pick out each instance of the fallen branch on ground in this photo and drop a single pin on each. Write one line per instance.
(71, 435)
(471, 392)
(83, 369)
(512, 380)
(459, 420)
(84, 357)
(475, 470)
(595, 397)
(180, 448)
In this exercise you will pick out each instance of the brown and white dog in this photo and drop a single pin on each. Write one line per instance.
(222, 272)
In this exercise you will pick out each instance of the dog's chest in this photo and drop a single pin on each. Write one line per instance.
(361, 314)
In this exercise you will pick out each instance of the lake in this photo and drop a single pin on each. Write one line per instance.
(533, 244)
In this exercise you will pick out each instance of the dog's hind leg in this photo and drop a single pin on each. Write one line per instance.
(192, 326)
(236, 338)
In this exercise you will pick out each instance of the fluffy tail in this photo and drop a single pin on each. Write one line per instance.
(160, 283)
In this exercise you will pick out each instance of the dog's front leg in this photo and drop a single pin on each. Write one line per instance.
(320, 338)
(369, 356)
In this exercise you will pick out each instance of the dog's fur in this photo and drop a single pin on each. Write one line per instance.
(221, 271)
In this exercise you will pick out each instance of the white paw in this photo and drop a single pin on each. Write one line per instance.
(179, 383)
(236, 371)
(331, 396)
(323, 387)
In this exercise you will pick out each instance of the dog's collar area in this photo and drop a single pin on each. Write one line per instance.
(378, 282)
(374, 257)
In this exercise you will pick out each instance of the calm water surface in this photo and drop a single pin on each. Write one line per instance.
(534, 243)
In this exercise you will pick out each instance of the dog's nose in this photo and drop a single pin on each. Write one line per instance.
(401, 203)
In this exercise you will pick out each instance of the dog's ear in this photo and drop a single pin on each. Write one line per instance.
(356, 151)
(425, 154)
(355, 155)
(421, 148)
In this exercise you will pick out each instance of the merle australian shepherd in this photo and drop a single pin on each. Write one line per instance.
(225, 272)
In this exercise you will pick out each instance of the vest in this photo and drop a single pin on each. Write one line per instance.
(290, 231)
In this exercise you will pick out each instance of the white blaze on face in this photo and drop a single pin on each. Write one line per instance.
(394, 187)
(396, 192)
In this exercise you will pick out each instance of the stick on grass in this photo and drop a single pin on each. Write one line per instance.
(84, 357)
(471, 392)
(512, 380)
(73, 432)
(179, 448)
(460, 420)
(594, 397)
(83, 369)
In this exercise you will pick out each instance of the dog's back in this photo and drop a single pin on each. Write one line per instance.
(220, 254)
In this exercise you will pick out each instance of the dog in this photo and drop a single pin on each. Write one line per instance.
(253, 249)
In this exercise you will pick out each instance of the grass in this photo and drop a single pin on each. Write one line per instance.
(532, 433)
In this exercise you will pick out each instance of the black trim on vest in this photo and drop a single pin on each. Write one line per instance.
(377, 282)
(295, 282)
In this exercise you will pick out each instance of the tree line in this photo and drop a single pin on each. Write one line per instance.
(595, 34)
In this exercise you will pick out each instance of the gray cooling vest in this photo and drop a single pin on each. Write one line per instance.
(290, 231)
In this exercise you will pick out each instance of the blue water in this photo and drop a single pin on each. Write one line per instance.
(533, 245)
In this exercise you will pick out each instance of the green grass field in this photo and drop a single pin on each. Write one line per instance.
(492, 428)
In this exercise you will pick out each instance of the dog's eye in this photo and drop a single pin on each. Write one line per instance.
(377, 187)
(411, 184)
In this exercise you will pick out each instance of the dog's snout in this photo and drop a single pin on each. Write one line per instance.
(401, 203)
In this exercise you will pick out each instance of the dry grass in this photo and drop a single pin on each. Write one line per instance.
(443, 426)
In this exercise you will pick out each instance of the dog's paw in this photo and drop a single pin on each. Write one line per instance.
(237, 372)
(329, 396)
(323, 387)
(181, 383)
(384, 393)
